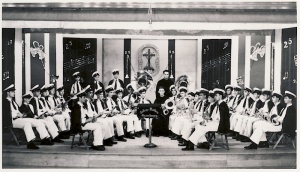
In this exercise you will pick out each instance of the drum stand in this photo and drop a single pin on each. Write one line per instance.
(150, 145)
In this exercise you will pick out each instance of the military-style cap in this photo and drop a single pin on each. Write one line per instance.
(129, 86)
(119, 90)
(142, 89)
(277, 94)
(228, 86)
(35, 88)
(248, 89)
(237, 88)
(44, 88)
(204, 91)
(115, 71)
(172, 87)
(51, 86)
(27, 96)
(219, 91)
(95, 74)
(75, 74)
(81, 93)
(109, 88)
(256, 90)
(211, 93)
(98, 91)
(266, 91)
(289, 94)
(88, 89)
(182, 89)
(10, 88)
(59, 88)
(192, 94)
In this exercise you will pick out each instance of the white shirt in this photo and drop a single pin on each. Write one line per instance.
(51, 100)
(110, 103)
(281, 118)
(90, 107)
(202, 106)
(74, 88)
(116, 81)
(83, 113)
(14, 112)
(265, 109)
(132, 99)
(216, 112)
(99, 106)
(120, 101)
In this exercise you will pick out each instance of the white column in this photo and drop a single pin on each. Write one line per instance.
(268, 63)
(234, 59)
(27, 62)
(199, 63)
(277, 60)
(18, 65)
(99, 59)
(47, 58)
(59, 58)
(247, 60)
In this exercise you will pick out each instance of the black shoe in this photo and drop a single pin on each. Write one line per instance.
(204, 145)
(121, 139)
(137, 134)
(57, 139)
(174, 138)
(238, 138)
(130, 136)
(46, 141)
(246, 139)
(264, 144)
(99, 148)
(251, 146)
(31, 145)
(189, 147)
(107, 142)
(62, 135)
(179, 138)
(184, 143)
(234, 136)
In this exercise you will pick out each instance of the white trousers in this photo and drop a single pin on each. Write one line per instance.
(188, 127)
(248, 126)
(259, 134)
(233, 120)
(199, 133)
(110, 124)
(172, 119)
(118, 122)
(97, 129)
(137, 124)
(60, 121)
(50, 125)
(67, 118)
(238, 125)
(129, 120)
(105, 128)
(178, 124)
(27, 123)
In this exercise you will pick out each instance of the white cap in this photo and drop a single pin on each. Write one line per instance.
(10, 88)
(95, 73)
(76, 73)
(290, 93)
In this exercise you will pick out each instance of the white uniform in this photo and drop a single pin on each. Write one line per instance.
(130, 97)
(95, 127)
(108, 120)
(27, 123)
(239, 110)
(117, 121)
(53, 102)
(76, 88)
(173, 116)
(182, 116)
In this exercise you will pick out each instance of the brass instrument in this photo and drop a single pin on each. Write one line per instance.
(274, 119)
(168, 105)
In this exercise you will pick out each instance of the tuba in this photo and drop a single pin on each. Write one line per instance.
(168, 105)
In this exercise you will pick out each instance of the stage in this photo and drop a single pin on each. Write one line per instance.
(132, 154)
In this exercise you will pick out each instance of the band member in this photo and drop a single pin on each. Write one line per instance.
(237, 97)
(160, 124)
(228, 96)
(173, 115)
(219, 121)
(77, 86)
(92, 113)
(56, 115)
(81, 121)
(97, 84)
(131, 97)
(285, 121)
(103, 112)
(55, 105)
(126, 115)
(12, 117)
(41, 113)
(142, 100)
(241, 122)
(111, 105)
(116, 82)
(182, 113)
(63, 104)
(166, 82)
(191, 97)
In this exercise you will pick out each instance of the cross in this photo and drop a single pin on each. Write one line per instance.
(148, 55)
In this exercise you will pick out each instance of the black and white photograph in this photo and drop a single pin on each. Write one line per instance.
(149, 84)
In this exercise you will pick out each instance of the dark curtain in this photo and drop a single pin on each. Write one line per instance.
(8, 57)
(216, 63)
(79, 55)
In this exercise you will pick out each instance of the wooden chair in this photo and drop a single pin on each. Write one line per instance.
(212, 138)
(280, 139)
(81, 139)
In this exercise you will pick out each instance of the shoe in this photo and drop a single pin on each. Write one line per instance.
(179, 138)
(238, 138)
(204, 145)
(137, 134)
(47, 141)
(107, 142)
(99, 148)
(234, 136)
(246, 139)
(112, 141)
(57, 139)
(62, 135)
(130, 136)
(189, 147)
(251, 146)
(264, 144)
(184, 143)
(174, 138)
(121, 138)
(31, 145)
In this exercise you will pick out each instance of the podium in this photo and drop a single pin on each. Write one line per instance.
(148, 111)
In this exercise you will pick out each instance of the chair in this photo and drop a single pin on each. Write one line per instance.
(81, 139)
(280, 139)
(212, 138)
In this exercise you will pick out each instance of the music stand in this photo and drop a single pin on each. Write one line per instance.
(148, 111)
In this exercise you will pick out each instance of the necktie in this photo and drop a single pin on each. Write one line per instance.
(115, 84)
(244, 104)
(129, 98)
(15, 107)
(48, 104)
(55, 104)
(92, 106)
(29, 109)
(200, 106)
(78, 88)
(39, 103)
(142, 101)
(103, 104)
(281, 112)
(43, 102)
(122, 105)
(96, 85)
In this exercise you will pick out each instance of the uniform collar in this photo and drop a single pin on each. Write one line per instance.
(9, 99)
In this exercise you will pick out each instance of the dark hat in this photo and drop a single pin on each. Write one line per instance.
(109, 88)
(211, 93)
(256, 90)
(10, 88)
(75, 74)
(277, 94)
(119, 90)
(51, 86)
(266, 91)
(219, 91)
(229, 87)
(237, 88)
(115, 71)
(289, 94)
(197, 92)
(59, 88)
(183, 84)
(204, 91)
(44, 88)
(129, 86)
(184, 89)
(95, 74)
(142, 89)
(172, 87)
(192, 94)
(35, 88)
(248, 89)
(26, 96)
(98, 91)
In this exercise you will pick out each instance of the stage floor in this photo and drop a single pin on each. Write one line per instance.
(132, 154)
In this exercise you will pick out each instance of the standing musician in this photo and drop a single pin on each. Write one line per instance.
(116, 82)
(111, 105)
(77, 86)
(228, 96)
(96, 84)
(285, 121)
(42, 114)
(80, 120)
(219, 121)
(103, 112)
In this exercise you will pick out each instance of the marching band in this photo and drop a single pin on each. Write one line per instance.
(113, 117)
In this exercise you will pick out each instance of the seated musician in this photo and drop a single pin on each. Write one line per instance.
(182, 107)
(264, 111)
(56, 106)
(202, 109)
(191, 97)
(41, 113)
(256, 105)
(63, 104)
(111, 105)
(173, 115)
(285, 121)
(240, 110)
(56, 115)
(92, 113)
(12, 117)
(219, 121)
(160, 124)
(143, 100)
(80, 120)
(133, 123)
(237, 97)
(228, 96)
(131, 97)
